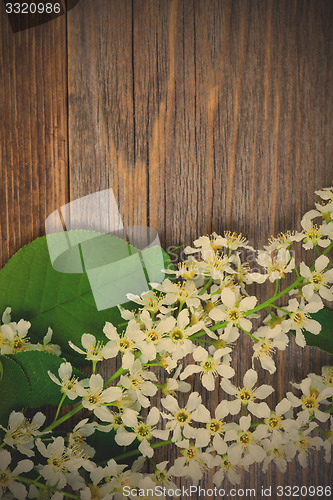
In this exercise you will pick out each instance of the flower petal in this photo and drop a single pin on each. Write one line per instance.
(248, 303)
(250, 378)
(228, 297)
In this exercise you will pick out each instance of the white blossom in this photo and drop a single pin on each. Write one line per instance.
(179, 419)
(233, 310)
(283, 241)
(66, 381)
(247, 395)
(210, 367)
(185, 293)
(192, 463)
(153, 333)
(268, 340)
(177, 341)
(126, 344)
(214, 431)
(172, 384)
(14, 337)
(325, 193)
(143, 431)
(310, 401)
(61, 467)
(47, 346)
(279, 450)
(248, 447)
(317, 281)
(151, 300)
(305, 443)
(224, 468)
(139, 383)
(93, 349)
(8, 477)
(162, 475)
(276, 420)
(299, 319)
(277, 265)
(21, 432)
(116, 477)
(316, 235)
(77, 438)
(95, 397)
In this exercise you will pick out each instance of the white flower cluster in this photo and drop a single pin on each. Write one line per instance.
(204, 440)
(188, 325)
(14, 339)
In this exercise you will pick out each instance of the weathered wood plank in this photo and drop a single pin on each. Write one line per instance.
(33, 132)
(102, 106)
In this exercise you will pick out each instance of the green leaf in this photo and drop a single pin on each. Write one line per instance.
(47, 298)
(106, 447)
(26, 384)
(324, 340)
(14, 388)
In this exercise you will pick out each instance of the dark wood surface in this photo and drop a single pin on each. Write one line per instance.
(33, 131)
(201, 115)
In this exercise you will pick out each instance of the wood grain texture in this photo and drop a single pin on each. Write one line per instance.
(102, 107)
(201, 115)
(33, 131)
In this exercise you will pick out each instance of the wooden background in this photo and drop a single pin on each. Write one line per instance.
(201, 115)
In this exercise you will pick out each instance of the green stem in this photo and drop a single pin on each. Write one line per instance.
(59, 406)
(326, 250)
(117, 374)
(249, 334)
(270, 312)
(276, 287)
(178, 248)
(132, 453)
(123, 324)
(273, 299)
(317, 250)
(281, 309)
(197, 335)
(153, 462)
(211, 342)
(94, 363)
(44, 486)
(63, 419)
(180, 308)
(209, 282)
